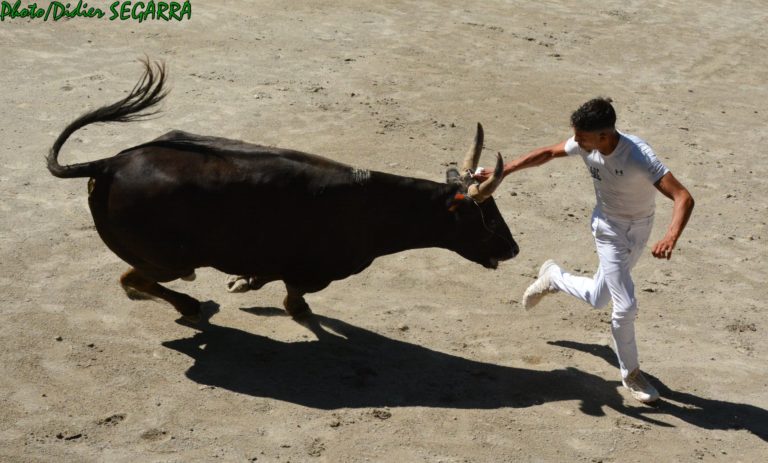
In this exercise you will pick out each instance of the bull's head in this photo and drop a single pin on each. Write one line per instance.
(483, 236)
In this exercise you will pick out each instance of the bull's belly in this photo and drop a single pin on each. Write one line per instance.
(174, 252)
(307, 272)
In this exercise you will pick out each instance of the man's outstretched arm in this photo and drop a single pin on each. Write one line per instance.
(674, 190)
(536, 157)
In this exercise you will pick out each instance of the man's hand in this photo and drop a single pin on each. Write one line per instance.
(482, 174)
(663, 249)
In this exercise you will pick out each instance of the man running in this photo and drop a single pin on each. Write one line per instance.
(626, 175)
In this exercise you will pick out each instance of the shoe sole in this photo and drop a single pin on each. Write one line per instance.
(649, 400)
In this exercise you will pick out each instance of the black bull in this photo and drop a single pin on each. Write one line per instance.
(184, 201)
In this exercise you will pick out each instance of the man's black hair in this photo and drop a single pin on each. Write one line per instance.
(594, 115)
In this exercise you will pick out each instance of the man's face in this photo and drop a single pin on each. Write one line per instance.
(588, 141)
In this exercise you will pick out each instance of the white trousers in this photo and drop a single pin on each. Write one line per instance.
(620, 243)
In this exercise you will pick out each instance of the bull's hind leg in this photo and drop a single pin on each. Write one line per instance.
(135, 282)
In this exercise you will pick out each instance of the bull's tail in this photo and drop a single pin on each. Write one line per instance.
(146, 94)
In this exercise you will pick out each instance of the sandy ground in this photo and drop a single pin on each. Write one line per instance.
(440, 364)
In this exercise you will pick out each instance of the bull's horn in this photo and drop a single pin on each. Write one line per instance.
(473, 155)
(484, 191)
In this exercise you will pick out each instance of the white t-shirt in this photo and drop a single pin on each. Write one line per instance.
(624, 179)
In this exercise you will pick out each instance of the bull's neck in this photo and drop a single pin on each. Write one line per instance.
(408, 213)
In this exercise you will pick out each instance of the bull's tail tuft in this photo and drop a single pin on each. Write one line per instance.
(147, 93)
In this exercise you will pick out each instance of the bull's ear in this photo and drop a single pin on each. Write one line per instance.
(455, 201)
(452, 174)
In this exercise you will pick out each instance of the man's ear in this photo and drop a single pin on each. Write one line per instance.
(455, 201)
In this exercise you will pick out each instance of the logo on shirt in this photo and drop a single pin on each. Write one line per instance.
(595, 173)
(619, 172)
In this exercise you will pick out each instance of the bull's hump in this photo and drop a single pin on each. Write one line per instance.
(186, 139)
(190, 141)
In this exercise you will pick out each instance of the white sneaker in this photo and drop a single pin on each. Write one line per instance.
(640, 388)
(541, 287)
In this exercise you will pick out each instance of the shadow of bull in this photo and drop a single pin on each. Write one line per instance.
(350, 367)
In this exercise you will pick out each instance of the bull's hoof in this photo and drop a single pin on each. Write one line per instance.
(241, 284)
(190, 277)
(297, 308)
(136, 295)
(238, 284)
(189, 308)
(207, 310)
(302, 316)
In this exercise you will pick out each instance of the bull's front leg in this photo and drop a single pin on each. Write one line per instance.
(295, 304)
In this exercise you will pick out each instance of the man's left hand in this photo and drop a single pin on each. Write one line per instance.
(663, 249)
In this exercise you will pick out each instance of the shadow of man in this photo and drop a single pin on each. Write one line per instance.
(350, 367)
(701, 412)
